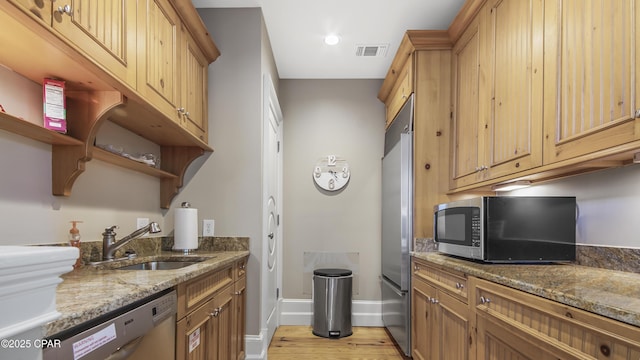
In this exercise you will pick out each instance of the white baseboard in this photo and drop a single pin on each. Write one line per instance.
(300, 312)
(256, 346)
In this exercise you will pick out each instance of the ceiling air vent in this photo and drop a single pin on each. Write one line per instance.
(372, 50)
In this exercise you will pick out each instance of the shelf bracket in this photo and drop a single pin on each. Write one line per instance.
(86, 111)
(176, 160)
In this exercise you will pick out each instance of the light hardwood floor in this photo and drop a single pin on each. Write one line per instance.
(297, 342)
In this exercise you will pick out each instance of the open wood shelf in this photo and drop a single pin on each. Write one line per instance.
(126, 163)
(24, 128)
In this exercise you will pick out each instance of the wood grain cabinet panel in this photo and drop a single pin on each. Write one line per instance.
(441, 323)
(591, 76)
(105, 31)
(467, 134)
(498, 83)
(194, 85)
(159, 63)
(512, 321)
(422, 66)
(514, 116)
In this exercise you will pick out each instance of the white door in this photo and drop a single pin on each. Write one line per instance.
(272, 202)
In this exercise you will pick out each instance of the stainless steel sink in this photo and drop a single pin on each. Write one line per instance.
(158, 265)
(167, 264)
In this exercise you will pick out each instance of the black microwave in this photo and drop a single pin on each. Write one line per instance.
(508, 228)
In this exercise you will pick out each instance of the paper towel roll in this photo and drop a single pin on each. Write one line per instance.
(185, 235)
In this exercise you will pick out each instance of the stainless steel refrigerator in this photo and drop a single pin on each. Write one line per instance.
(397, 226)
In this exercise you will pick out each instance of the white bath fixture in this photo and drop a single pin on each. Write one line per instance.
(29, 276)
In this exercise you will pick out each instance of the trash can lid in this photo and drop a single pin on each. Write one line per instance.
(332, 272)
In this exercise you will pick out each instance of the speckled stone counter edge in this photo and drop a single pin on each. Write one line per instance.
(609, 293)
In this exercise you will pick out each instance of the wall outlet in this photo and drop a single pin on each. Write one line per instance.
(141, 222)
(207, 227)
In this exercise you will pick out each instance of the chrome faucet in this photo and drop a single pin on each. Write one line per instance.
(110, 245)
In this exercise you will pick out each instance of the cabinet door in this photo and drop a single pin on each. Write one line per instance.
(591, 76)
(193, 334)
(468, 136)
(497, 343)
(401, 91)
(526, 321)
(37, 9)
(158, 56)
(239, 321)
(423, 335)
(514, 107)
(194, 87)
(222, 325)
(453, 327)
(105, 30)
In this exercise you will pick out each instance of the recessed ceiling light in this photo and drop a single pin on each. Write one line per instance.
(331, 39)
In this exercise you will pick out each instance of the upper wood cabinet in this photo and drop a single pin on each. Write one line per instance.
(159, 51)
(194, 87)
(498, 81)
(422, 66)
(591, 76)
(467, 134)
(172, 74)
(140, 64)
(104, 30)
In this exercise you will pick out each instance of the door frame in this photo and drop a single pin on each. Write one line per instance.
(271, 105)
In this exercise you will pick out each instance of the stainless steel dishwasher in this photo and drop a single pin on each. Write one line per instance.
(142, 330)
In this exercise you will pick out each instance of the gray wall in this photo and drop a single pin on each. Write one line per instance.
(228, 185)
(340, 117)
(608, 200)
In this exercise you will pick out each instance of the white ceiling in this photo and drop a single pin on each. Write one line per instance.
(297, 28)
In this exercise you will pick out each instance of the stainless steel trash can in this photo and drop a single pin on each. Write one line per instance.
(332, 302)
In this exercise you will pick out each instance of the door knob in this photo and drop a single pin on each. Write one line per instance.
(270, 235)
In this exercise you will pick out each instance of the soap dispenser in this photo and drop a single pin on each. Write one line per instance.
(74, 240)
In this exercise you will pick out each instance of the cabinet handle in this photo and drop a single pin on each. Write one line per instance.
(239, 292)
(484, 300)
(65, 9)
(416, 267)
(243, 266)
(180, 110)
(459, 286)
(215, 313)
(434, 301)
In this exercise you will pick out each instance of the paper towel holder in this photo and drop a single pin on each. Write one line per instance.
(186, 249)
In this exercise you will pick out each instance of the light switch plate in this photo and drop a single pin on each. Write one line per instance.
(207, 227)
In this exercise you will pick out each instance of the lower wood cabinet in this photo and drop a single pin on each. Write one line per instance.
(211, 316)
(512, 324)
(500, 323)
(441, 328)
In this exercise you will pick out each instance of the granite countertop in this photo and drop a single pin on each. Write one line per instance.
(614, 294)
(89, 292)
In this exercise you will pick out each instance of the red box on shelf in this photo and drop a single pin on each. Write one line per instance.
(54, 105)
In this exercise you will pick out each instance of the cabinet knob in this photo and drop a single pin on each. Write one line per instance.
(484, 300)
(416, 267)
(180, 110)
(434, 301)
(215, 313)
(65, 9)
(239, 292)
(459, 286)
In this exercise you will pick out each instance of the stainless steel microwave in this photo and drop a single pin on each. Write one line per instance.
(508, 228)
